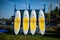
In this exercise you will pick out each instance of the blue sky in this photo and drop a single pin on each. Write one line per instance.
(7, 6)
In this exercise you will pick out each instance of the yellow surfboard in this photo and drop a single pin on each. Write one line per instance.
(26, 22)
(17, 22)
(33, 22)
(41, 22)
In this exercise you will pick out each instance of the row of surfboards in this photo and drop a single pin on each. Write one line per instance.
(31, 24)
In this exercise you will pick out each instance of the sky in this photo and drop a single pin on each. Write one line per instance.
(7, 6)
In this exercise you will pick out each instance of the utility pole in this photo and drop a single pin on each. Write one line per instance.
(26, 4)
(29, 6)
(44, 8)
(58, 5)
(50, 9)
(14, 9)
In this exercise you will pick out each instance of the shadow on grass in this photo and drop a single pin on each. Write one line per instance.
(52, 34)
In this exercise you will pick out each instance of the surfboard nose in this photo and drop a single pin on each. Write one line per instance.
(33, 13)
(41, 13)
(17, 13)
(26, 13)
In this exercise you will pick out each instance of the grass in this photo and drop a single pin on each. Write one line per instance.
(5, 36)
(48, 36)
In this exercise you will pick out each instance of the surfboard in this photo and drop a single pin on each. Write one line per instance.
(17, 22)
(33, 22)
(25, 22)
(41, 22)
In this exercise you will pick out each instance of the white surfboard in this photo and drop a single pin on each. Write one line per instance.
(33, 22)
(41, 22)
(25, 22)
(17, 22)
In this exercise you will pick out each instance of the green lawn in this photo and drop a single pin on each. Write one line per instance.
(48, 36)
(5, 36)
